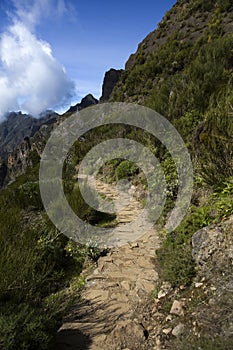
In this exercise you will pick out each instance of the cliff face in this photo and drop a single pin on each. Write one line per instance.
(110, 80)
(17, 126)
(24, 155)
(22, 139)
(19, 135)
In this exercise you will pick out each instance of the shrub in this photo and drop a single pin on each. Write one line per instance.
(175, 254)
(213, 142)
(126, 169)
(176, 261)
(204, 343)
(24, 327)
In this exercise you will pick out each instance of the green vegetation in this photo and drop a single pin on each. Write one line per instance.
(35, 267)
(190, 83)
(204, 344)
(126, 169)
(175, 253)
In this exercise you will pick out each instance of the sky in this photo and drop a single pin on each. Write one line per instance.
(54, 52)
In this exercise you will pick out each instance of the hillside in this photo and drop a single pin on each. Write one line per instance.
(17, 126)
(183, 298)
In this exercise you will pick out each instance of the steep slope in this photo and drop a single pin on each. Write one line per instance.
(17, 126)
(22, 139)
(187, 20)
(184, 71)
(166, 55)
(37, 262)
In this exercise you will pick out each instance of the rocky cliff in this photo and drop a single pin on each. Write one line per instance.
(19, 138)
(22, 139)
(110, 80)
(87, 101)
(17, 126)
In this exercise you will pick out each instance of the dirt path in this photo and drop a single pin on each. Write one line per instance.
(106, 318)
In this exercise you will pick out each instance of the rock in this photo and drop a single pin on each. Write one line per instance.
(213, 289)
(119, 296)
(3, 173)
(168, 318)
(178, 330)
(161, 294)
(177, 308)
(167, 330)
(22, 140)
(126, 285)
(134, 245)
(158, 343)
(103, 262)
(17, 126)
(212, 252)
(198, 284)
(146, 286)
(212, 302)
(87, 101)
(208, 245)
(165, 288)
(110, 80)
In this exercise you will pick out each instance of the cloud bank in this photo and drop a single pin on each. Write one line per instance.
(31, 79)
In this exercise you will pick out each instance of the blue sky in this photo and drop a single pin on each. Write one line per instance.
(87, 38)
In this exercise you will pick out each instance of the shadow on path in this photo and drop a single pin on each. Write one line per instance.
(88, 319)
(72, 339)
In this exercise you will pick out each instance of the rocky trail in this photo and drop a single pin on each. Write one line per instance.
(109, 315)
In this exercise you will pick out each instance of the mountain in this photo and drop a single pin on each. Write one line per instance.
(17, 126)
(87, 101)
(185, 32)
(22, 138)
(183, 70)
(187, 21)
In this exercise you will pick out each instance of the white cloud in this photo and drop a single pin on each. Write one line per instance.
(31, 79)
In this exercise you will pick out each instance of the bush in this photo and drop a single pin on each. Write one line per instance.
(213, 142)
(175, 254)
(24, 327)
(34, 264)
(126, 169)
(177, 264)
(203, 343)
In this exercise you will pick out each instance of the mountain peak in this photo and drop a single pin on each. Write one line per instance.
(87, 101)
(111, 78)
